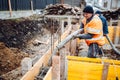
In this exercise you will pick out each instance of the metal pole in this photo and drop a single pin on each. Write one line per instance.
(10, 9)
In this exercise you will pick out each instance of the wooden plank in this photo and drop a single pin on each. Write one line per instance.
(43, 60)
(73, 43)
(56, 68)
(116, 38)
(31, 4)
(105, 71)
(67, 47)
(73, 47)
(93, 60)
(119, 23)
(10, 8)
(62, 1)
(81, 70)
(110, 34)
(62, 16)
(78, 70)
(62, 63)
(48, 76)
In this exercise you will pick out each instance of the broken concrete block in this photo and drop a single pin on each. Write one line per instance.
(26, 65)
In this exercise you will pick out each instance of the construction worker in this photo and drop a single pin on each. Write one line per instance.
(104, 22)
(92, 31)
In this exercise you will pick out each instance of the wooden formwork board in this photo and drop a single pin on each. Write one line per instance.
(48, 76)
(80, 68)
(43, 61)
(83, 68)
(114, 33)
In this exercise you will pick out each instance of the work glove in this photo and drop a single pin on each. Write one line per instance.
(75, 36)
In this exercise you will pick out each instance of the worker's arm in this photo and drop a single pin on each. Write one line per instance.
(84, 36)
(82, 26)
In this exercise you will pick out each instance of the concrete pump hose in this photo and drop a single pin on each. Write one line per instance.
(62, 43)
(113, 47)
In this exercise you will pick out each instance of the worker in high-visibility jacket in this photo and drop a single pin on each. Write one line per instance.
(92, 31)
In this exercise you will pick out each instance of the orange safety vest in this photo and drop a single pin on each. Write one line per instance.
(94, 27)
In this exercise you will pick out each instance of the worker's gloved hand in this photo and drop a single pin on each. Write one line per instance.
(74, 36)
(104, 34)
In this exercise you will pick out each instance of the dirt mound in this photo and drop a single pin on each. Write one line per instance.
(9, 58)
(16, 32)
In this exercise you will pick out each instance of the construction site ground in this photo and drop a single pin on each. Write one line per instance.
(26, 37)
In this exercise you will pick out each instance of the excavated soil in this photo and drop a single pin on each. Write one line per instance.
(20, 38)
(10, 58)
(17, 32)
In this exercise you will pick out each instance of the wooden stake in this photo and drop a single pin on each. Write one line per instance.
(56, 67)
(10, 9)
(63, 64)
(105, 71)
(62, 1)
(31, 5)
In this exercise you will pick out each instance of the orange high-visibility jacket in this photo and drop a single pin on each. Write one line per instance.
(94, 27)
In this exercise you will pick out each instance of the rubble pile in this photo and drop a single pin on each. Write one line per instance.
(61, 9)
(115, 15)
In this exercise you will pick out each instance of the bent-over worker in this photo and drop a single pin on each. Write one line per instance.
(93, 32)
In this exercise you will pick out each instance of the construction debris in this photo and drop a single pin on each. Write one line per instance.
(115, 15)
(61, 9)
(26, 65)
(37, 42)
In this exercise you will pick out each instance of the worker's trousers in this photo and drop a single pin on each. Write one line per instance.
(94, 50)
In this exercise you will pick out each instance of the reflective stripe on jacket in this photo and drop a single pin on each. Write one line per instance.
(94, 27)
